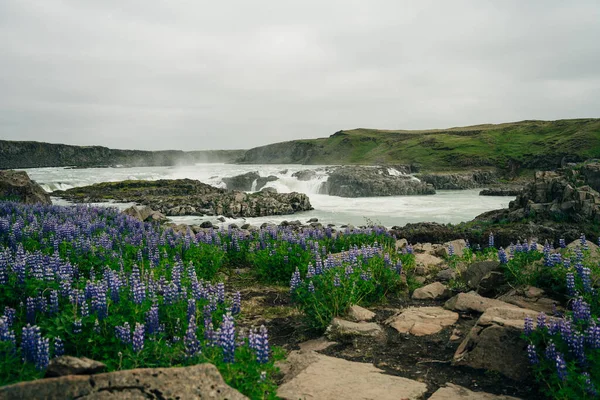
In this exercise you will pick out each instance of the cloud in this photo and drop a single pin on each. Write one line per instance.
(208, 75)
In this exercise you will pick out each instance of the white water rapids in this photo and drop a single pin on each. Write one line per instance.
(447, 206)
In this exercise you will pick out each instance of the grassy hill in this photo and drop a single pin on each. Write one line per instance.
(511, 146)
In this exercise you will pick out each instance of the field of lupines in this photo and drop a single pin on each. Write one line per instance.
(92, 282)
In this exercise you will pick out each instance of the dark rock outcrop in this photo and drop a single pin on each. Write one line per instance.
(145, 214)
(355, 181)
(305, 175)
(16, 185)
(190, 197)
(245, 182)
(196, 382)
(459, 181)
(591, 173)
(501, 192)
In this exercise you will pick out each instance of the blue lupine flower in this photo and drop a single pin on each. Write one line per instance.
(152, 320)
(227, 338)
(77, 326)
(59, 347)
(7, 334)
(561, 367)
(295, 281)
(491, 240)
(262, 349)
(336, 280)
(551, 351)
(53, 309)
(589, 385)
(450, 250)
(42, 354)
(562, 243)
(532, 355)
(581, 310)
(29, 341)
(236, 303)
(221, 292)
(541, 321)
(31, 306)
(571, 284)
(190, 340)
(586, 280)
(311, 287)
(138, 337)
(502, 256)
(528, 327)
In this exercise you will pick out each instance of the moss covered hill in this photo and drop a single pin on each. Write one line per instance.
(15, 154)
(510, 146)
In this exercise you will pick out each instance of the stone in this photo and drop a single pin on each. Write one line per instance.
(454, 392)
(346, 331)
(67, 365)
(241, 182)
(316, 376)
(201, 381)
(427, 260)
(145, 214)
(318, 344)
(495, 343)
(478, 271)
(531, 298)
(17, 186)
(421, 321)
(433, 291)
(305, 175)
(358, 314)
(459, 181)
(446, 275)
(206, 224)
(472, 302)
(458, 245)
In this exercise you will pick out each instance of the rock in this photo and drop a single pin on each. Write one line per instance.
(421, 321)
(267, 189)
(67, 365)
(495, 343)
(359, 314)
(17, 186)
(531, 298)
(305, 175)
(201, 381)
(318, 344)
(262, 181)
(433, 291)
(484, 276)
(446, 275)
(454, 392)
(221, 219)
(459, 246)
(459, 181)
(312, 220)
(241, 182)
(591, 173)
(366, 181)
(427, 260)
(472, 302)
(501, 192)
(206, 224)
(190, 197)
(346, 331)
(316, 376)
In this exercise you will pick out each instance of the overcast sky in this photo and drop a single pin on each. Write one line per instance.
(168, 74)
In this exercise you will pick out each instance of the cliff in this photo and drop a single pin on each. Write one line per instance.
(510, 147)
(15, 154)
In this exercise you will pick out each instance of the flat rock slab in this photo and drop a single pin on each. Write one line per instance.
(196, 382)
(328, 378)
(455, 392)
(472, 302)
(421, 321)
(427, 260)
(359, 314)
(345, 331)
(67, 365)
(433, 291)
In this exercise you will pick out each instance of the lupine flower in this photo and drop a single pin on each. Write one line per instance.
(236, 303)
(581, 310)
(450, 250)
(528, 327)
(7, 334)
(561, 367)
(586, 280)
(399, 267)
(138, 337)
(42, 354)
(77, 326)
(152, 320)
(562, 243)
(227, 338)
(29, 341)
(311, 287)
(59, 347)
(571, 284)
(551, 351)
(295, 281)
(502, 256)
(53, 309)
(262, 346)
(532, 355)
(589, 385)
(31, 306)
(190, 340)
(191, 309)
(336, 280)
(541, 321)
(583, 242)
(221, 292)
(491, 240)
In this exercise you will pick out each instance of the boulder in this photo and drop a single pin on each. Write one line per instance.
(305, 175)
(459, 246)
(201, 381)
(459, 181)
(421, 321)
(472, 302)
(17, 186)
(433, 291)
(446, 275)
(501, 191)
(67, 365)
(427, 261)
(484, 276)
(359, 314)
(145, 214)
(366, 181)
(454, 392)
(241, 182)
(315, 376)
(591, 173)
(531, 298)
(346, 331)
(495, 343)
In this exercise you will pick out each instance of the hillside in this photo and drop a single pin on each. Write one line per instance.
(15, 154)
(510, 146)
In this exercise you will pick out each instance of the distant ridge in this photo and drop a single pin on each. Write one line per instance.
(512, 147)
(27, 154)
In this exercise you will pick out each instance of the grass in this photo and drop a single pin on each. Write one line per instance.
(530, 144)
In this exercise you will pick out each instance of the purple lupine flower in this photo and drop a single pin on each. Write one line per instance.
(59, 347)
(581, 310)
(190, 340)
(589, 385)
(85, 311)
(502, 256)
(399, 267)
(138, 337)
(583, 242)
(221, 292)
(491, 240)
(29, 341)
(551, 351)
(42, 354)
(262, 345)
(31, 306)
(295, 281)
(310, 271)
(336, 280)
(123, 333)
(236, 306)
(311, 287)
(450, 250)
(211, 336)
(576, 347)
(541, 321)
(191, 309)
(138, 290)
(10, 314)
(77, 326)
(561, 367)
(366, 275)
(7, 334)
(571, 285)
(532, 355)
(586, 280)
(528, 327)
(53, 309)
(562, 243)
(409, 249)
(152, 320)
(227, 338)
(348, 271)
(593, 336)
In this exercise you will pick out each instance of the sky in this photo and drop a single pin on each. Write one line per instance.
(194, 75)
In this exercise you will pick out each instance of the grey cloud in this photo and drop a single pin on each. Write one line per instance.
(208, 75)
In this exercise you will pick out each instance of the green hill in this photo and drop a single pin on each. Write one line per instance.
(510, 146)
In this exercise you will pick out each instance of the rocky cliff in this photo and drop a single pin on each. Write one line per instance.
(459, 181)
(14, 154)
(16, 186)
